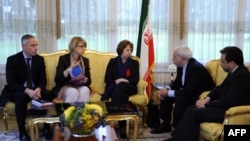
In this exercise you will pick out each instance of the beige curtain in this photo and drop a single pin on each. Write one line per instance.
(19, 17)
(46, 11)
(212, 25)
(205, 26)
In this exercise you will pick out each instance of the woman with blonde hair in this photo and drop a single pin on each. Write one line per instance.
(73, 74)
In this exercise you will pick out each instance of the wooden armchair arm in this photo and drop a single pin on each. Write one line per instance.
(238, 115)
(204, 94)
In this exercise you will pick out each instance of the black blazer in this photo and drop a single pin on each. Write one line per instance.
(197, 80)
(16, 72)
(63, 64)
(112, 72)
(16, 75)
(233, 91)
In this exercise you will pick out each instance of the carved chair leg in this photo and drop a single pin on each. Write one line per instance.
(5, 118)
(144, 111)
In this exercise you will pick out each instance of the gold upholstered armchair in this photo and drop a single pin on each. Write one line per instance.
(240, 115)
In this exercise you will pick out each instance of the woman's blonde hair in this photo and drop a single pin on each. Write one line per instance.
(74, 42)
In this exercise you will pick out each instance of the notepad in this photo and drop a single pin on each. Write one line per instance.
(40, 103)
(76, 71)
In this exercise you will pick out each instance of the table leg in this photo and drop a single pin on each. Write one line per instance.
(31, 127)
(36, 131)
(127, 127)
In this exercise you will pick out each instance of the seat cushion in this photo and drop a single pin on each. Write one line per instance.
(137, 99)
(211, 131)
(10, 107)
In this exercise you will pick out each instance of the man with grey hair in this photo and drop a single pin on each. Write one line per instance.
(233, 91)
(192, 79)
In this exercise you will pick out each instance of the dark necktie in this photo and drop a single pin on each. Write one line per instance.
(29, 75)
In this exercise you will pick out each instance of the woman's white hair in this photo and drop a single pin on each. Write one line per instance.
(184, 52)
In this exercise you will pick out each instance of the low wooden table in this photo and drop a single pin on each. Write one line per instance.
(119, 116)
(34, 132)
(134, 116)
(126, 117)
(33, 122)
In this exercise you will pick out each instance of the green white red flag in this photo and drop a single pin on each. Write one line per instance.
(145, 45)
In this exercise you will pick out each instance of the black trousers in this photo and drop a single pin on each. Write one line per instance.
(180, 105)
(188, 129)
(120, 96)
(21, 100)
(121, 93)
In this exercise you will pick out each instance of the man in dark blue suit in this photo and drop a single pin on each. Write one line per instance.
(192, 79)
(22, 86)
(233, 91)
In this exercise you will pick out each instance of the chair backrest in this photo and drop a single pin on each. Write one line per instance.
(248, 67)
(98, 62)
(216, 71)
(51, 61)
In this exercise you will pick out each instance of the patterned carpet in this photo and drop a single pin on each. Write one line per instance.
(12, 136)
(144, 135)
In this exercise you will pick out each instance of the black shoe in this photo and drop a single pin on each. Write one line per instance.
(47, 132)
(162, 129)
(24, 137)
(1, 112)
(170, 139)
(123, 134)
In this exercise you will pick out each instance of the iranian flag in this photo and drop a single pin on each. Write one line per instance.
(145, 45)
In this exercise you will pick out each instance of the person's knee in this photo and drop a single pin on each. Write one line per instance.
(72, 90)
(71, 95)
(121, 85)
(84, 94)
(21, 98)
(84, 90)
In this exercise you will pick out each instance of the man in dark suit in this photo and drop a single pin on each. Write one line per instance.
(192, 79)
(22, 86)
(234, 91)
